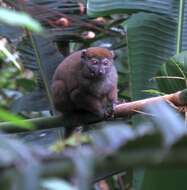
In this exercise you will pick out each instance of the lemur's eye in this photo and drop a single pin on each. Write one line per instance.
(105, 61)
(94, 61)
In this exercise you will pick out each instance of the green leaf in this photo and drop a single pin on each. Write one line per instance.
(15, 18)
(170, 179)
(106, 7)
(35, 53)
(151, 40)
(17, 121)
(154, 92)
(148, 49)
(172, 75)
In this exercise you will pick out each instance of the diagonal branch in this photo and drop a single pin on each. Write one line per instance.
(177, 99)
(120, 110)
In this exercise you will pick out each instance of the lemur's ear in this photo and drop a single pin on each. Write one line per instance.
(83, 53)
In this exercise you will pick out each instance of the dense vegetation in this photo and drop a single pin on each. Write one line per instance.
(146, 151)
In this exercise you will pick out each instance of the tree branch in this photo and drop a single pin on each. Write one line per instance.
(120, 110)
(177, 99)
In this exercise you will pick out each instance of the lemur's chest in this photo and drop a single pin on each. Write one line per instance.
(97, 87)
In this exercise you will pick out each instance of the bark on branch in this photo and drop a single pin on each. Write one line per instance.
(178, 99)
(120, 110)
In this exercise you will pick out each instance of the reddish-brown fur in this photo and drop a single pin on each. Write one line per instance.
(73, 92)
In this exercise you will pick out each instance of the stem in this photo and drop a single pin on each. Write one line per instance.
(123, 110)
(41, 123)
(180, 26)
(43, 74)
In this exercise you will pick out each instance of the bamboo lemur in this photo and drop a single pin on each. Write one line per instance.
(86, 81)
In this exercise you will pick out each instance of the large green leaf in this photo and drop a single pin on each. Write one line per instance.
(33, 101)
(154, 44)
(49, 57)
(106, 7)
(150, 43)
(171, 179)
(172, 75)
(148, 50)
(151, 37)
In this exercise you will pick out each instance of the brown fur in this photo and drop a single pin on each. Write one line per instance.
(99, 52)
(74, 92)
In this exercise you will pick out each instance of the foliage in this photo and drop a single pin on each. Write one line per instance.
(155, 143)
(172, 75)
(10, 17)
(15, 120)
(151, 40)
(147, 34)
(19, 19)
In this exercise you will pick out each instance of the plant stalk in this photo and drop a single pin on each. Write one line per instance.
(180, 26)
(123, 110)
(43, 74)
